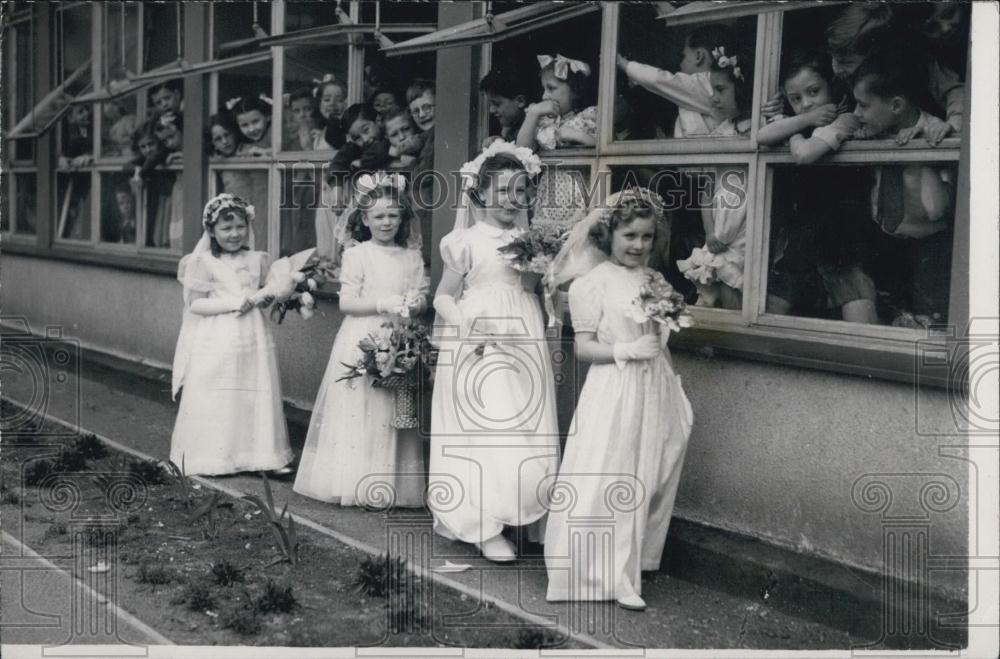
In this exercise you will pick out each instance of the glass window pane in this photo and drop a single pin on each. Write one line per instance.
(76, 138)
(122, 38)
(159, 30)
(119, 121)
(73, 207)
(301, 187)
(400, 12)
(316, 93)
(23, 76)
(5, 194)
(867, 244)
(306, 14)
(24, 149)
(233, 26)
(75, 28)
(251, 185)
(118, 209)
(394, 75)
(25, 200)
(562, 196)
(164, 209)
(683, 81)
(243, 87)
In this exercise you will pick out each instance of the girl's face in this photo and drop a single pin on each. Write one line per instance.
(331, 101)
(147, 146)
(422, 110)
(383, 219)
(231, 232)
(79, 115)
(505, 195)
(398, 130)
(363, 132)
(171, 138)
(126, 205)
(253, 124)
(632, 243)
(845, 64)
(554, 89)
(223, 141)
(302, 112)
(724, 95)
(385, 104)
(945, 21)
(166, 100)
(806, 90)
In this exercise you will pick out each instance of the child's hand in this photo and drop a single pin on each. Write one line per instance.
(571, 135)
(81, 161)
(390, 304)
(715, 246)
(175, 158)
(773, 107)
(645, 347)
(258, 151)
(246, 306)
(546, 108)
(356, 164)
(136, 183)
(621, 62)
(936, 130)
(822, 115)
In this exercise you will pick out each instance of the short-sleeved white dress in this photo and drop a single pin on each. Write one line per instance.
(353, 455)
(230, 417)
(614, 496)
(494, 435)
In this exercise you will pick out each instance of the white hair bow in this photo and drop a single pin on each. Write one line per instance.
(563, 65)
(233, 102)
(366, 183)
(319, 83)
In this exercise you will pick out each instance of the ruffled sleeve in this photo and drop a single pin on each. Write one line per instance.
(585, 304)
(194, 275)
(352, 273)
(456, 252)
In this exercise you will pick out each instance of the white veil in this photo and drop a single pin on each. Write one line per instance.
(189, 319)
(470, 177)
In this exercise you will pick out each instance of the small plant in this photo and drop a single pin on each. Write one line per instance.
(153, 574)
(287, 539)
(226, 574)
(206, 511)
(276, 599)
(196, 596)
(90, 447)
(38, 470)
(536, 639)
(182, 480)
(242, 619)
(150, 471)
(380, 576)
(71, 459)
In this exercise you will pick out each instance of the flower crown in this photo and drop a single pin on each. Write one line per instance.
(470, 170)
(368, 183)
(223, 202)
(643, 196)
(724, 61)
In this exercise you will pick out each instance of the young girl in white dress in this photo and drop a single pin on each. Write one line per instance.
(352, 452)
(494, 437)
(230, 416)
(615, 491)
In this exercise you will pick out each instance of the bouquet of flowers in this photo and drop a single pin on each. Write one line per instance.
(392, 355)
(292, 280)
(659, 302)
(534, 249)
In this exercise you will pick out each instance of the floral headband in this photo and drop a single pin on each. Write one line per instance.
(319, 84)
(727, 62)
(524, 155)
(643, 196)
(368, 183)
(236, 100)
(223, 202)
(563, 65)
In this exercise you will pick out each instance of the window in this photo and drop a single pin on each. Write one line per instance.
(18, 184)
(236, 26)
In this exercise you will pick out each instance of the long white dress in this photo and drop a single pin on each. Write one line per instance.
(494, 435)
(353, 455)
(231, 417)
(614, 496)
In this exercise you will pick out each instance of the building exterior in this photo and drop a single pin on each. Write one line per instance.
(804, 422)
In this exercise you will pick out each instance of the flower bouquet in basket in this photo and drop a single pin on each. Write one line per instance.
(393, 355)
(533, 250)
(659, 302)
(292, 280)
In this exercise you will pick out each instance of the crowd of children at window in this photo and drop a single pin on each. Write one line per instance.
(865, 244)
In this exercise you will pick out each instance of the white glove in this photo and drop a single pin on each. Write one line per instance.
(448, 309)
(390, 304)
(645, 347)
(213, 306)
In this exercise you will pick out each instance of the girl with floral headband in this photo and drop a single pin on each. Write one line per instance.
(351, 435)
(563, 118)
(622, 464)
(230, 417)
(494, 436)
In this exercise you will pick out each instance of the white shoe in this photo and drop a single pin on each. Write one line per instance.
(632, 602)
(497, 549)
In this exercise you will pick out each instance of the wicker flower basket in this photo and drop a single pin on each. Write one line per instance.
(404, 388)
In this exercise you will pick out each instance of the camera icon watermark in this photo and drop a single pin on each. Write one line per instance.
(41, 375)
(966, 365)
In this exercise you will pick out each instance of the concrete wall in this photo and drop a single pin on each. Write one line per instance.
(775, 454)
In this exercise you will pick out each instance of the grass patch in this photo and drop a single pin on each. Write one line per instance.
(241, 618)
(38, 470)
(196, 596)
(90, 447)
(276, 599)
(536, 639)
(225, 573)
(379, 576)
(153, 574)
(150, 471)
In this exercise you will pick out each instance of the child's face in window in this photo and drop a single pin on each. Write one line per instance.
(170, 137)
(877, 114)
(166, 100)
(398, 129)
(147, 146)
(231, 232)
(845, 64)
(945, 21)
(302, 109)
(422, 109)
(554, 89)
(223, 141)
(253, 124)
(509, 111)
(383, 219)
(79, 115)
(806, 90)
(126, 205)
(385, 104)
(694, 60)
(331, 101)
(363, 132)
(631, 243)
(724, 95)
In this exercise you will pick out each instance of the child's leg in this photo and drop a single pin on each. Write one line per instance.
(851, 289)
(729, 297)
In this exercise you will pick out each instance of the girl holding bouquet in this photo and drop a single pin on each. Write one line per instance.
(231, 416)
(623, 464)
(494, 437)
(351, 435)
